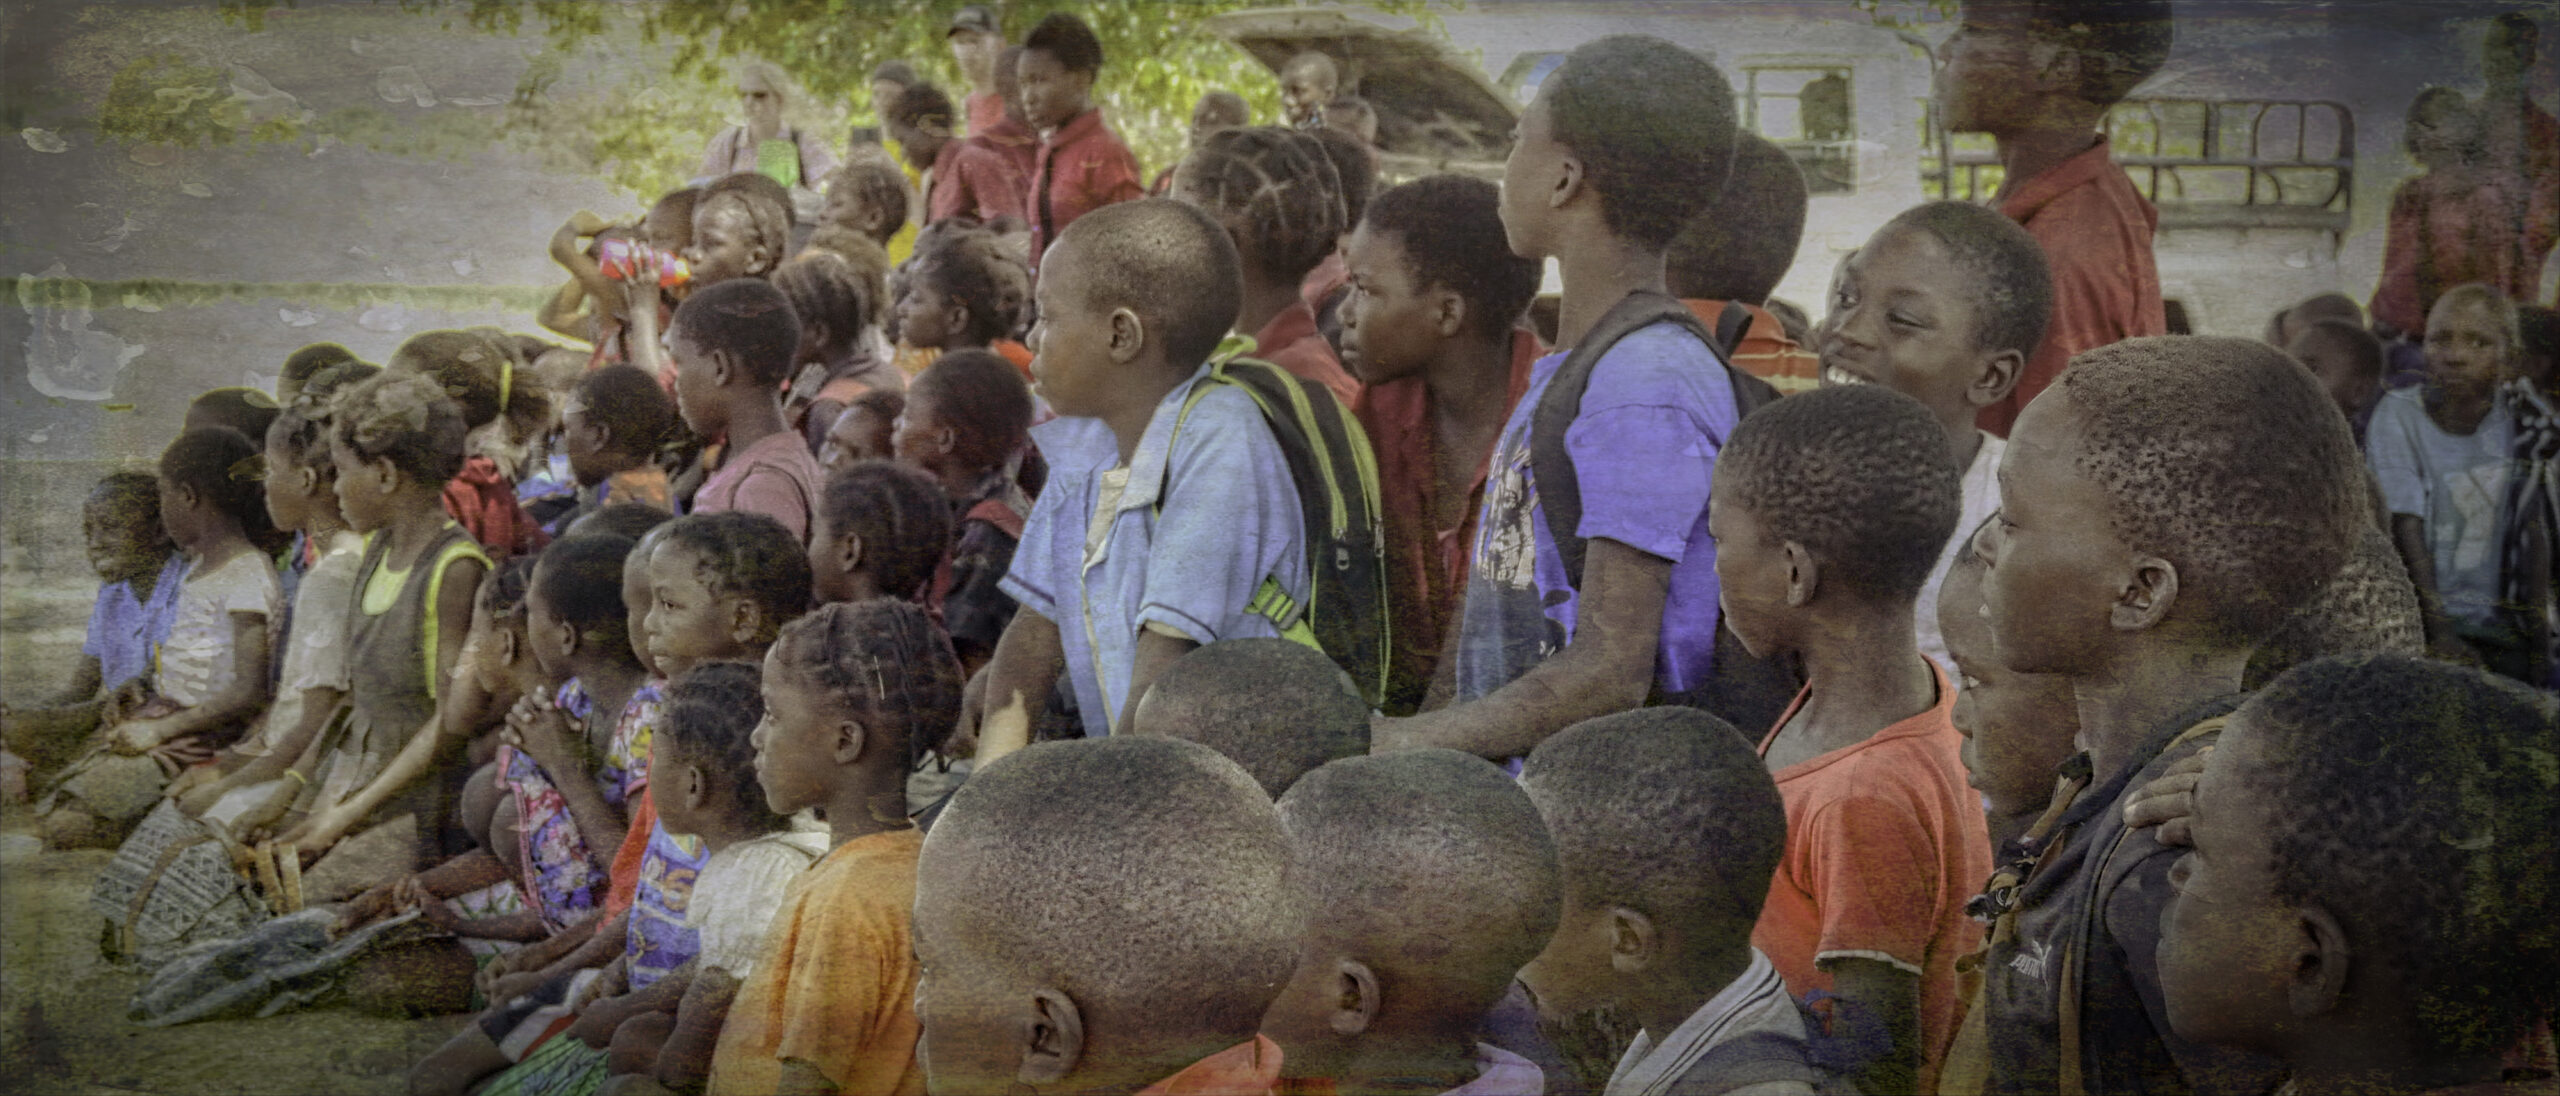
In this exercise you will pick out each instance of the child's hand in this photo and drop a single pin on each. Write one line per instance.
(138, 736)
(367, 908)
(124, 702)
(2168, 801)
(180, 753)
(541, 730)
(442, 916)
(513, 984)
(187, 786)
(412, 893)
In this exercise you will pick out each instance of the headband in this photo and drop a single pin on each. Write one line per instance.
(506, 379)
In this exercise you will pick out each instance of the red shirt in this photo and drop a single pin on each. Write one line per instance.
(485, 503)
(971, 178)
(1245, 1069)
(1426, 567)
(2449, 228)
(2096, 232)
(985, 110)
(1765, 350)
(1019, 146)
(1082, 167)
(1290, 341)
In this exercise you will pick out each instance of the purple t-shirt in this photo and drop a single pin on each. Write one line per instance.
(125, 632)
(1657, 410)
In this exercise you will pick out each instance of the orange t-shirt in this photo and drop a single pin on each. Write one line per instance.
(836, 985)
(1245, 1069)
(1765, 351)
(2096, 233)
(1885, 844)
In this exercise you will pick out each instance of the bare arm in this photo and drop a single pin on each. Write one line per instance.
(1892, 995)
(223, 711)
(1028, 661)
(684, 1062)
(565, 312)
(1156, 651)
(1608, 667)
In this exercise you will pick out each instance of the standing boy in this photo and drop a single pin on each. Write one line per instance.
(1828, 511)
(977, 43)
(1955, 343)
(1081, 165)
(732, 344)
(2162, 510)
(1625, 142)
(1735, 252)
(1165, 511)
(2039, 77)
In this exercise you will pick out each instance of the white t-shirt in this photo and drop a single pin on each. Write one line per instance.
(739, 892)
(196, 660)
(1981, 500)
(316, 646)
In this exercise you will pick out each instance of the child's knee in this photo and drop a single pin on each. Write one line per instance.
(72, 827)
(450, 1069)
(636, 1043)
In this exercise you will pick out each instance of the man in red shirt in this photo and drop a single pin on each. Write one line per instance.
(1082, 165)
(2039, 77)
(963, 176)
(977, 42)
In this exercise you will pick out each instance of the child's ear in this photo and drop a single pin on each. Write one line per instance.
(1128, 336)
(2321, 959)
(1568, 182)
(745, 621)
(1634, 941)
(850, 738)
(386, 475)
(946, 441)
(1804, 574)
(568, 636)
(849, 551)
(2149, 592)
(306, 480)
(955, 316)
(1994, 377)
(722, 367)
(1356, 1006)
(1052, 1038)
(695, 788)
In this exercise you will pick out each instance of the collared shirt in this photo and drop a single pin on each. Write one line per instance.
(1755, 1002)
(1290, 340)
(1179, 539)
(1765, 351)
(985, 110)
(2096, 233)
(1017, 144)
(1245, 1069)
(972, 178)
(1082, 166)
(125, 632)
(2450, 227)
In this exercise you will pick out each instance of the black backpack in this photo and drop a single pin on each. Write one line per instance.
(1750, 693)
(1336, 476)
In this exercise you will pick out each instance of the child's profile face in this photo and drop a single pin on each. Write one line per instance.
(1071, 364)
(2350, 386)
(1309, 84)
(846, 208)
(1987, 71)
(665, 790)
(2229, 948)
(1573, 975)
(2018, 728)
(919, 435)
(2054, 565)
(725, 245)
(697, 388)
(1897, 319)
(688, 624)
(1051, 95)
(1390, 324)
(2467, 348)
(639, 599)
(179, 516)
(859, 434)
(795, 741)
(583, 442)
(1529, 178)
(829, 580)
(1751, 571)
(362, 488)
(542, 632)
(964, 999)
(920, 315)
(124, 541)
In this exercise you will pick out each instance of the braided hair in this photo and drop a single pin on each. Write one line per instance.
(483, 371)
(884, 663)
(222, 466)
(301, 432)
(1274, 189)
(902, 516)
(834, 300)
(966, 264)
(712, 711)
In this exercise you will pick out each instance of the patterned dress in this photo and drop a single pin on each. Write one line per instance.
(564, 878)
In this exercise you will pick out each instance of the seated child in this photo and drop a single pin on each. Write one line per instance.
(478, 371)
(839, 307)
(1278, 708)
(1057, 962)
(864, 431)
(964, 290)
(1204, 495)
(302, 364)
(2369, 894)
(856, 695)
(1955, 344)
(1828, 511)
(882, 531)
(613, 427)
(967, 424)
(139, 574)
(722, 586)
(1434, 336)
(1435, 881)
(2349, 362)
(2018, 728)
(732, 344)
(2153, 531)
(1667, 830)
(210, 679)
(1736, 251)
(1275, 194)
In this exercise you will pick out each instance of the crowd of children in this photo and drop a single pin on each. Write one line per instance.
(985, 673)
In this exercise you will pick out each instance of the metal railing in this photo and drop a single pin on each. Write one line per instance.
(2285, 159)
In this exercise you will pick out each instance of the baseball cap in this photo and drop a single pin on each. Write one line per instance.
(977, 17)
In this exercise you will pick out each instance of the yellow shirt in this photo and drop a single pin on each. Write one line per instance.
(836, 986)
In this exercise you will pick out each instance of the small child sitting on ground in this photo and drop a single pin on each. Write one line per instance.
(723, 585)
(1053, 953)
(140, 572)
(613, 427)
(1435, 881)
(1278, 708)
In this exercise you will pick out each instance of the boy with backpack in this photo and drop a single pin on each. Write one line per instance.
(1593, 585)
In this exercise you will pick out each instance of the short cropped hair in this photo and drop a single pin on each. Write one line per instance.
(2370, 608)
(1226, 108)
(1146, 878)
(2128, 40)
(638, 416)
(742, 553)
(1276, 187)
(1278, 708)
(2226, 458)
(580, 578)
(135, 495)
(2012, 279)
(630, 520)
(1653, 125)
(711, 716)
(968, 265)
(2364, 351)
(301, 364)
(1431, 866)
(747, 318)
(984, 401)
(2419, 805)
(246, 410)
(1450, 227)
(917, 103)
(884, 663)
(1739, 248)
(2501, 310)
(404, 418)
(1069, 40)
(1169, 263)
(221, 465)
(1861, 475)
(902, 516)
(1665, 811)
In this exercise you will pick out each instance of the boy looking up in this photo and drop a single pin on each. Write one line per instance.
(2039, 77)
(1431, 329)
(1163, 514)
(1666, 831)
(1437, 881)
(1828, 510)
(1278, 708)
(1956, 344)
(732, 344)
(1738, 250)
(1081, 165)
(1108, 916)
(2162, 510)
(1626, 142)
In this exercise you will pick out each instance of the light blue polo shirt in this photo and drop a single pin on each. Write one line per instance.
(1099, 560)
